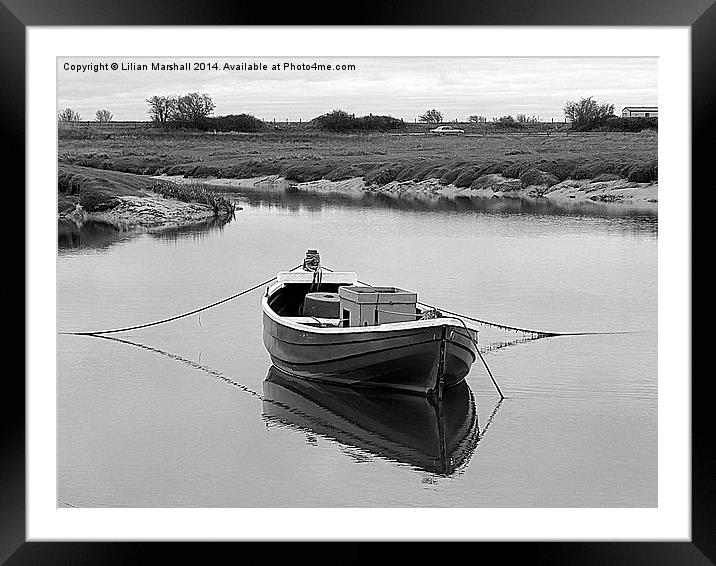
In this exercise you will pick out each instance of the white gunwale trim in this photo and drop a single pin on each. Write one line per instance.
(347, 277)
(268, 311)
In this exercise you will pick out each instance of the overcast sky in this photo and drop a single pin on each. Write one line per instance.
(401, 87)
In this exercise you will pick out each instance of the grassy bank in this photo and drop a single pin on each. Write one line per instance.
(378, 158)
(127, 200)
(195, 192)
(97, 190)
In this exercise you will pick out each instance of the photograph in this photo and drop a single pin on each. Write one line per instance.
(396, 273)
(357, 281)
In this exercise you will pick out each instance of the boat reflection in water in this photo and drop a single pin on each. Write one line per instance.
(437, 436)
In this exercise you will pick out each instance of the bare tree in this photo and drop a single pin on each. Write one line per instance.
(69, 115)
(162, 109)
(587, 113)
(431, 117)
(525, 119)
(475, 119)
(103, 116)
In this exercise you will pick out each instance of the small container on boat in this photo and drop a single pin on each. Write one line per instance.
(370, 306)
(322, 305)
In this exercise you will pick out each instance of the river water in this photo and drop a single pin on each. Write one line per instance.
(190, 414)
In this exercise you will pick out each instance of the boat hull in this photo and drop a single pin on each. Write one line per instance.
(418, 358)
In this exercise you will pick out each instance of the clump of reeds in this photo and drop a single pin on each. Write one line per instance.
(196, 192)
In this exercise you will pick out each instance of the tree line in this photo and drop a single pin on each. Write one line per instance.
(585, 114)
(195, 110)
(70, 115)
(434, 116)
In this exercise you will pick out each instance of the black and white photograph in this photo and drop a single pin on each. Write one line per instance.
(357, 281)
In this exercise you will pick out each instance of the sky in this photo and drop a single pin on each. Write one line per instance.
(403, 87)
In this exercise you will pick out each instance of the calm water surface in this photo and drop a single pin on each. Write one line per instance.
(190, 413)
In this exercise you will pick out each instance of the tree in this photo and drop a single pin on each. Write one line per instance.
(162, 108)
(103, 116)
(475, 119)
(194, 107)
(431, 117)
(587, 113)
(525, 119)
(69, 115)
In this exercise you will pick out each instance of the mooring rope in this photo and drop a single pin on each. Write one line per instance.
(469, 336)
(477, 349)
(324, 423)
(312, 263)
(177, 317)
(537, 333)
(540, 333)
(196, 365)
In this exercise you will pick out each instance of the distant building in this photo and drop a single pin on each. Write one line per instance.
(640, 112)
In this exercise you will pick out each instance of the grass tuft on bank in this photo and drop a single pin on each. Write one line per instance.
(195, 192)
(98, 190)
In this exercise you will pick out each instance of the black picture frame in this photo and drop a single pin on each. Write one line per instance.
(699, 15)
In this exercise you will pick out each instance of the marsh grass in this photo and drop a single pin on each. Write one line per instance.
(196, 192)
(378, 158)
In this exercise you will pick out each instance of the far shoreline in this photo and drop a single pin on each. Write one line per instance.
(617, 193)
(616, 171)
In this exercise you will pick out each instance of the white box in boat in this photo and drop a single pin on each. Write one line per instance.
(368, 306)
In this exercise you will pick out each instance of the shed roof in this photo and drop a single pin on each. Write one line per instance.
(641, 108)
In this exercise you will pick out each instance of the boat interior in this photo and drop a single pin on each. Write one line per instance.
(320, 297)
(288, 300)
(296, 301)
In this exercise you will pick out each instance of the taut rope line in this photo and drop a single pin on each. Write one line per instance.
(469, 337)
(326, 424)
(537, 333)
(177, 317)
(310, 264)
(477, 349)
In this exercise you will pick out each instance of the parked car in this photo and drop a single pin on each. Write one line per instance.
(446, 130)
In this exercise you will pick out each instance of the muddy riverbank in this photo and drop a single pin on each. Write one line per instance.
(607, 190)
(124, 201)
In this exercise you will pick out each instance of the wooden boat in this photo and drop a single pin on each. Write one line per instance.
(326, 326)
(435, 435)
